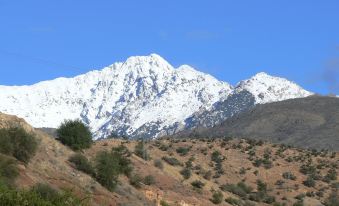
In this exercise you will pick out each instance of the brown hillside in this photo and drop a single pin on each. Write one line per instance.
(235, 163)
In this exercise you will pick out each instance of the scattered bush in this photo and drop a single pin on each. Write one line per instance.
(309, 182)
(164, 203)
(186, 173)
(261, 186)
(233, 201)
(135, 180)
(141, 151)
(242, 171)
(82, 164)
(158, 163)
(307, 169)
(217, 197)
(289, 176)
(8, 170)
(182, 150)
(198, 184)
(45, 191)
(240, 189)
(172, 161)
(149, 180)
(331, 175)
(40, 195)
(74, 134)
(18, 143)
(216, 156)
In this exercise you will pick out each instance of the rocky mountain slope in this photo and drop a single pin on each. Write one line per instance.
(142, 97)
(311, 122)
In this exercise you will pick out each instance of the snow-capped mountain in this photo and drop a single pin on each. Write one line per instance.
(266, 88)
(143, 91)
(142, 97)
(259, 89)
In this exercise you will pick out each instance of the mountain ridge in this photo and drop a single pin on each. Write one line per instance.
(142, 97)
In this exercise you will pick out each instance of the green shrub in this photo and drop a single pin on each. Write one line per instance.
(141, 151)
(164, 203)
(8, 170)
(41, 195)
(107, 170)
(121, 154)
(149, 180)
(309, 182)
(182, 150)
(233, 201)
(198, 184)
(217, 197)
(158, 163)
(289, 176)
(18, 143)
(307, 169)
(135, 180)
(331, 175)
(261, 186)
(74, 134)
(240, 189)
(82, 164)
(45, 191)
(216, 156)
(172, 161)
(6, 143)
(186, 173)
(109, 165)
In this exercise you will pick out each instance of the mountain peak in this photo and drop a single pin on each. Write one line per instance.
(267, 88)
(261, 74)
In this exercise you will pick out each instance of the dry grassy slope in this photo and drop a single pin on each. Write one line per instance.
(50, 165)
(174, 189)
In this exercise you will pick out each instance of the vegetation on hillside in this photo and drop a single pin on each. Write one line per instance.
(74, 134)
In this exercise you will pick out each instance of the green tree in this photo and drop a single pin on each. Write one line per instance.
(107, 168)
(74, 134)
(18, 143)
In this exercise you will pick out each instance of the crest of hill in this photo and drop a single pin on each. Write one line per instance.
(310, 122)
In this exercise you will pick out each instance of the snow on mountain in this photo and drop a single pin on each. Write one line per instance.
(259, 89)
(143, 96)
(266, 88)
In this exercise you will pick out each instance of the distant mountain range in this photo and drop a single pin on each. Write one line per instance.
(142, 97)
(311, 122)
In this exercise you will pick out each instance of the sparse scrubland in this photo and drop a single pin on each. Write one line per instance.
(39, 170)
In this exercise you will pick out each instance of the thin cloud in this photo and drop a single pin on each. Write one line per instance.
(330, 75)
(202, 35)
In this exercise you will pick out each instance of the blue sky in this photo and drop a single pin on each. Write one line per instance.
(232, 40)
